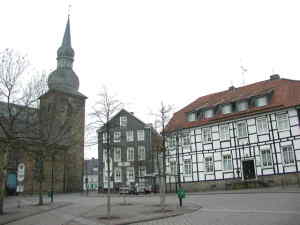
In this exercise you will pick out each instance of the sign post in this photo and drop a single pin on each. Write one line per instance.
(181, 194)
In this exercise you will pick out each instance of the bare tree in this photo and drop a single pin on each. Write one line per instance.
(18, 96)
(104, 109)
(162, 117)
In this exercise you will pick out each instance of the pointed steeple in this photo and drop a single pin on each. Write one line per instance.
(64, 78)
(66, 51)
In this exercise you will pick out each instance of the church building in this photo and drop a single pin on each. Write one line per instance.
(63, 169)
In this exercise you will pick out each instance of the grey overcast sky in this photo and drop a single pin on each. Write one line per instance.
(159, 50)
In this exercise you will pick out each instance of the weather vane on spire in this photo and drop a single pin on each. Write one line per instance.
(69, 10)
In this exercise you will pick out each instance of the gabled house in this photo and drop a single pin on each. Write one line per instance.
(132, 154)
(245, 134)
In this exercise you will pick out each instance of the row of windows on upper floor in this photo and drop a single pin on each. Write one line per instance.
(241, 130)
(130, 174)
(141, 154)
(228, 108)
(209, 167)
(129, 136)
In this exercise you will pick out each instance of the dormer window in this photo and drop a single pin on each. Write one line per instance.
(261, 101)
(242, 105)
(227, 109)
(208, 113)
(191, 116)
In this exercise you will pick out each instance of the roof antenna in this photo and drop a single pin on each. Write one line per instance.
(243, 71)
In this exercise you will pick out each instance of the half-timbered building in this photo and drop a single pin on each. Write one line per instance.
(247, 135)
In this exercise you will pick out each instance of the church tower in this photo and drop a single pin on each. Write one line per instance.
(67, 104)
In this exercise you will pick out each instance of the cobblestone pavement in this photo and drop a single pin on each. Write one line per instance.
(280, 208)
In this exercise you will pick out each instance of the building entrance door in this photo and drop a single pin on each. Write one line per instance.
(248, 169)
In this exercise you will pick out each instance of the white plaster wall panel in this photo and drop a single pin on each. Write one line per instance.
(188, 178)
(292, 112)
(235, 164)
(228, 175)
(264, 137)
(251, 121)
(268, 171)
(193, 147)
(279, 158)
(198, 138)
(295, 130)
(232, 141)
(285, 143)
(198, 131)
(253, 138)
(257, 160)
(225, 144)
(247, 152)
(199, 147)
(274, 124)
(294, 121)
(210, 177)
(251, 129)
(289, 169)
(280, 169)
(243, 141)
(215, 136)
(297, 144)
(258, 171)
(200, 158)
(231, 133)
(284, 134)
(218, 165)
(201, 176)
(192, 139)
(273, 117)
(192, 132)
(216, 145)
(219, 175)
(215, 129)
(275, 135)
(207, 147)
(217, 156)
(298, 164)
(257, 152)
(277, 147)
(297, 153)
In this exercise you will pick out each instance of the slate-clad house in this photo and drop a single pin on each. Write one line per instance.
(250, 133)
(132, 154)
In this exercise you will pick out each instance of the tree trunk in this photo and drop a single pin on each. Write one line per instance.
(108, 190)
(3, 162)
(41, 202)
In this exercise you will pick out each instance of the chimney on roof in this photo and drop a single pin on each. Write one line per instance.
(231, 88)
(275, 77)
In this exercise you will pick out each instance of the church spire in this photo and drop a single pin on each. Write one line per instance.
(64, 78)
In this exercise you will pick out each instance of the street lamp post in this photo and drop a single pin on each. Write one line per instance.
(178, 167)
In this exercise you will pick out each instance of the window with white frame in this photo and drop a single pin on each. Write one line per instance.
(130, 154)
(104, 155)
(242, 105)
(185, 138)
(173, 167)
(282, 122)
(123, 121)
(227, 162)
(209, 113)
(141, 153)
(142, 171)
(104, 137)
(129, 136)
(206, 135)
(117, 155)
(227, 109)
(118, 176)
(209, 165)
(191, 116)
(261, 101)
(172, 141)
(288, 155)
(266, 157)
(242, 129)
(117, 136)
(140, 135)
(187, 167)
(224, 132)
(130, 174)
(262, 125)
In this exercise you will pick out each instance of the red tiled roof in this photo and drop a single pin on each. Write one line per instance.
(285, 93)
